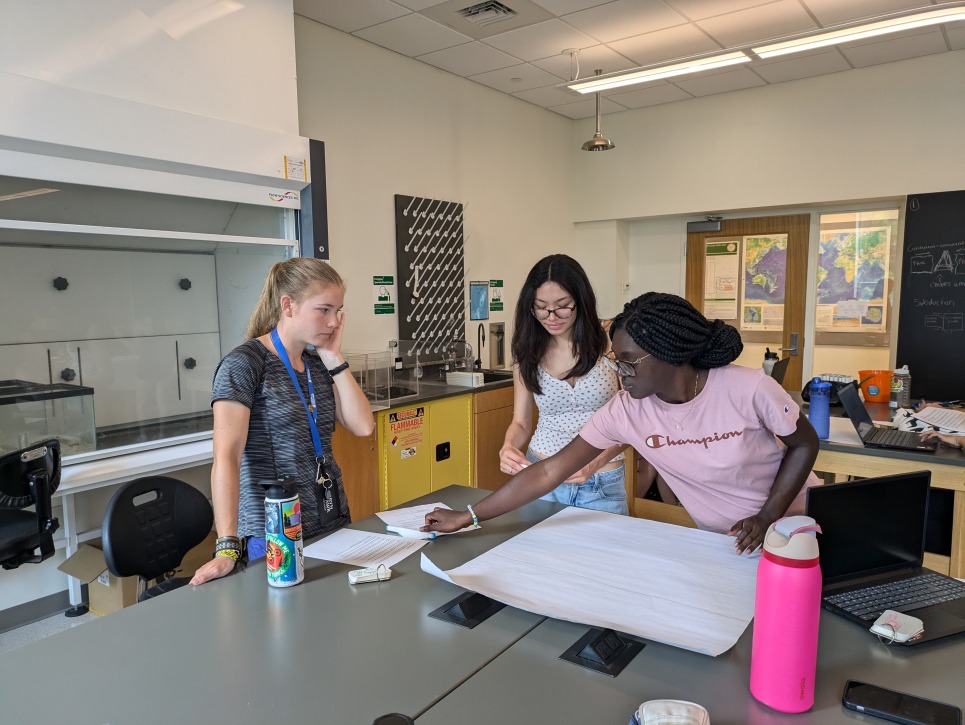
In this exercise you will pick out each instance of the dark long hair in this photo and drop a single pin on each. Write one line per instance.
(673, 330)
(530, 338)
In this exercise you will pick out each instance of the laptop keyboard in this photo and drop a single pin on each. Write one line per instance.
(893, 438)
(902, 595)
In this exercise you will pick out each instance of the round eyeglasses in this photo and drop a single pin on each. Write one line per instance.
(624, 368)
(562, 313)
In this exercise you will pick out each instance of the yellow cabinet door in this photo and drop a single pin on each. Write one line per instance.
(450, 442)
(406, 454)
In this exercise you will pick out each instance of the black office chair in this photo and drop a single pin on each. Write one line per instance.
(28, 477)
(149, 525)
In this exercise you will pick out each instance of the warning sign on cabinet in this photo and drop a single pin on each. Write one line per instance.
(407, 430)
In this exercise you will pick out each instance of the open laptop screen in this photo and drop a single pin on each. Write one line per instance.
(873, 526)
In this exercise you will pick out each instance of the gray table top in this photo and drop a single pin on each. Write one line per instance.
(530, 684)
(238, 651)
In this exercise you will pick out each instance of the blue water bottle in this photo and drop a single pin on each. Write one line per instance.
(819, 410)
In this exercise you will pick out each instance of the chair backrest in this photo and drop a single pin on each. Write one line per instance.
(28, 477)
(151, 523)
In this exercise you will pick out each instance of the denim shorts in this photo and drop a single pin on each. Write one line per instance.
(603, 491)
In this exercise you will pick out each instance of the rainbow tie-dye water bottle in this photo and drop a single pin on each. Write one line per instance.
(283, 533)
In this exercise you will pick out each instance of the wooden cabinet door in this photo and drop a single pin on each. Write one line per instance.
(358, 458)
(493, 412)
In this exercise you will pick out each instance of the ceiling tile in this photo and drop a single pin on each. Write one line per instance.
(765, 22)
(550, 96)
(419, 4)
(664, 45)
(590, 59)
(349, 15)
(653, 95)
(700, 9)
(541, 40)
(412, 35)
(710, 83)
(469, 59)
(896, 47)
(790, 69)
(624, 18)
(516, 78)
(587, 109)
(956, 36)
(562, 7)
(834, 12)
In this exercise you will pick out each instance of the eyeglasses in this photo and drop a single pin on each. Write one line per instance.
(625, 368)
(562, 313)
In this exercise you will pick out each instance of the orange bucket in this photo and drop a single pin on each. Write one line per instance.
(875, 384)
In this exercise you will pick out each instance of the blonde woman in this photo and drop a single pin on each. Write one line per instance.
(275, 404)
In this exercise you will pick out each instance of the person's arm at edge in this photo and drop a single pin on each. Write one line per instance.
(230, 433)
(520, 428)
(526, 486)
(802, 451)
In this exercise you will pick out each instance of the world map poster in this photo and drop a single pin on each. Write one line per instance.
(765, 276)
(852, 271)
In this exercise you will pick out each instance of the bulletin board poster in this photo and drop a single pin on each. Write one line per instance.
(765, 279)
(852, 271)
(721, 277)
(383, 293)
(407, 430)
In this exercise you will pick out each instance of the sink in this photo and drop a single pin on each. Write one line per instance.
(494, 376)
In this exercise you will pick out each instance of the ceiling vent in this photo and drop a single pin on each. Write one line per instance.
(487, 13)
(483, 19)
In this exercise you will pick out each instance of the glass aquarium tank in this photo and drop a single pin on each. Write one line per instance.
(34, 412)
(383, 382)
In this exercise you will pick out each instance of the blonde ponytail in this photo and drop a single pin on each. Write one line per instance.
(296, 277)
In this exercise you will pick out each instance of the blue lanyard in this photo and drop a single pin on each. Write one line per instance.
(310, 409)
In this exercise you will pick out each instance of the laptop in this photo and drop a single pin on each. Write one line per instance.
(875, 437)
(872, 548)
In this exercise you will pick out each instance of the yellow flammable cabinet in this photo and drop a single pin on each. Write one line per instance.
(425, 447)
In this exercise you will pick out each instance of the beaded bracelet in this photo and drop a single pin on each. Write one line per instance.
(475, 521)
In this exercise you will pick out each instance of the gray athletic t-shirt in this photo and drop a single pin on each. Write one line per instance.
(279, 440)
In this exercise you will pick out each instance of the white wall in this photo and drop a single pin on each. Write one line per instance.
(392, 125)
(881, 131)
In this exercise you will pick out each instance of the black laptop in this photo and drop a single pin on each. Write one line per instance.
(875, 437)
(872, 547)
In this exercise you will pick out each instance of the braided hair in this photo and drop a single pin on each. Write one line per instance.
(673, 330)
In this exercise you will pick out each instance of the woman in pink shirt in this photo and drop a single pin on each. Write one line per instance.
(729, 441)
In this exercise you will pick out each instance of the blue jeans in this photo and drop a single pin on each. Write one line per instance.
(603, 491)
(256, 547)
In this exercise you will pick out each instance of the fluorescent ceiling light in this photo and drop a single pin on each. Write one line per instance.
(25, 194)
(862, 30)
(629, 78)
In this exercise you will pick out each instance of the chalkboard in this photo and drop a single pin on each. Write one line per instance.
(931, 319)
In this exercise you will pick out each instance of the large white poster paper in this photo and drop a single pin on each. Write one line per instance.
(667, 583)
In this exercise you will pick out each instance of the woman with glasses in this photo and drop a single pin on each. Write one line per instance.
(559, 367)
(728, 440)
(275, 403)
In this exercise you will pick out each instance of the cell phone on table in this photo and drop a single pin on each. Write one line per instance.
(898, 706)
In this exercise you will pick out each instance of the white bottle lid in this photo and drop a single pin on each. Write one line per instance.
(903, 370)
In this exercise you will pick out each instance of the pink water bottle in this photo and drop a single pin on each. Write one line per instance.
(786, 613)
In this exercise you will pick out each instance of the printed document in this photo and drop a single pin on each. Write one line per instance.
(953, 420)
(412, 517)
(672, 584)
(363, 548)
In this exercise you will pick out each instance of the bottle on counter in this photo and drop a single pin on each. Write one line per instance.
(283, 533)
(787, 610)
(819, 407)
(900, 388)
(770, 359)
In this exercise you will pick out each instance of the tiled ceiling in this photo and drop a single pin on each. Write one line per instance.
(525, 56)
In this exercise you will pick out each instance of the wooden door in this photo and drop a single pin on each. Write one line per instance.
(797, 229)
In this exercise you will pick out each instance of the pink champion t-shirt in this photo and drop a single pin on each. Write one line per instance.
(718, 453)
